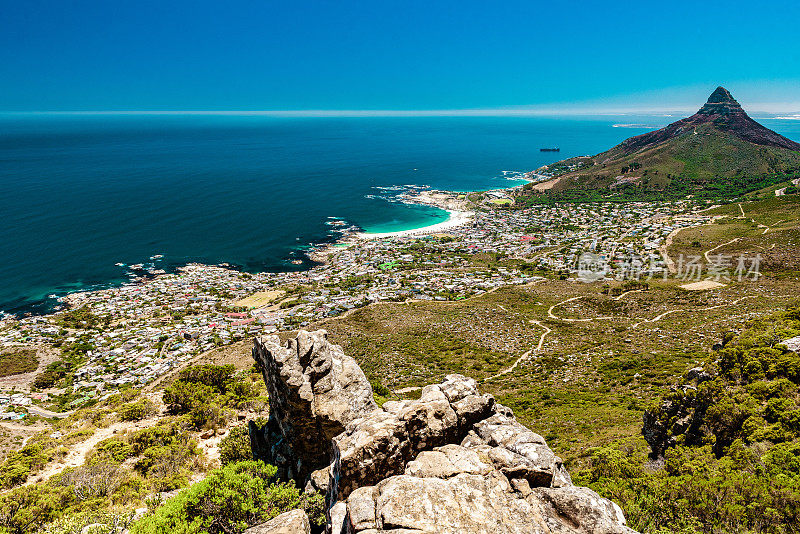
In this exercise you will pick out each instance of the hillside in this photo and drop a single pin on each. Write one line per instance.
(718, 152)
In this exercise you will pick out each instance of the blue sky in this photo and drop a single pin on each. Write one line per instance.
(404, 55)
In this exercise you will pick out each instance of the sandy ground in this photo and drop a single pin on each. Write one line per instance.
(545, 186)
(262, 298)
(457, 218)
(702, 285)
(77, 452)
(14, 436)
(780, 192)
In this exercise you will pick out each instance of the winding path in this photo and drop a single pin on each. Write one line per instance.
(524, 356)
(550, 314)
(707, 252)
(77, 452)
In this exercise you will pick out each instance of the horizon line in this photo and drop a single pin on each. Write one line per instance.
(777, 111)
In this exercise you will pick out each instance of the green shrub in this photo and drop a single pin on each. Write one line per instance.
(183, 397)
(51, 375)
(136, 411)
(218, 377)
(235, 447)
(112, 450)
(26, 508)
(229, 500)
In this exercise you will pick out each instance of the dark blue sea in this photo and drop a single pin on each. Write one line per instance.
(81, 193)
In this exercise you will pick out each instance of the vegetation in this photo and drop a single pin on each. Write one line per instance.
(231, 499)
(731, 444)
(14, 361)
(132, 468)
(596, 188)
(235, 447)
(207, 394)
(705, 160)
(80, 318)
(136, 411)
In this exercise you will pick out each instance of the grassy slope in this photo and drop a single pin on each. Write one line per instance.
(583, 389)
(691, 163)
(770, 228)
(14, 361)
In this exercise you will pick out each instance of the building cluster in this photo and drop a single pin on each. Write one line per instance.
(137, 332)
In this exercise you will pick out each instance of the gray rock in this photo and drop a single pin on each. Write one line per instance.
(447, 461)
(698, 374)
(374, 448)
(315, 390)
(463, 504)
(452, 461)
(457, 387)
(337, 519)
(293, 522)
(580, 510)
(473, 408)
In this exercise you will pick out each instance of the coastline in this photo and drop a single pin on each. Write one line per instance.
(457, 218)
(454, 203)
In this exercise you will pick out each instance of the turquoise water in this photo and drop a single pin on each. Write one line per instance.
(79, 194)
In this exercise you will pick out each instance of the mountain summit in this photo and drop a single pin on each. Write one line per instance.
(717, 152)
(724, 113)
(720, 102)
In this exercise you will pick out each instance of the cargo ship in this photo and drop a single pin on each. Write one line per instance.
(555, 149)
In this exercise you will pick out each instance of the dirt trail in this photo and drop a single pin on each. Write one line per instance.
(663, 249)
(570, 320)
(77, 453)
(525, 356)
(709, 251)
(708, 308)
(550, 314)
(23, 428)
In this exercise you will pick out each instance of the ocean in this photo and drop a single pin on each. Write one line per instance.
(82, 194)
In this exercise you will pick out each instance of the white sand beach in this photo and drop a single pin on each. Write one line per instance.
(457, 218)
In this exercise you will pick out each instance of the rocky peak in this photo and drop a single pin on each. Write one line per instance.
(453, 461)
(721, 102)
(720, 114)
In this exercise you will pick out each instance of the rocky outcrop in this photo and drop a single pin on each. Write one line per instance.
(681, 414)
(315, 390)
(294, 522)
(452, 461)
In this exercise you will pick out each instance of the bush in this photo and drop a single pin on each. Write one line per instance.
(112, 450)
(26, 508)
(183, 397)
(235, 447)
(136, 411)
(229, 500)
(26, 461)
(205, 391)
(102, 522)
(218, 377)
(51, 375)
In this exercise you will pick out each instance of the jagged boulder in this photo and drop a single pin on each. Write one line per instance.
(452, 461)
(315, 390)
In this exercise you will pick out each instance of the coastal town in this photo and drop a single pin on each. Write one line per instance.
(135, 333)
